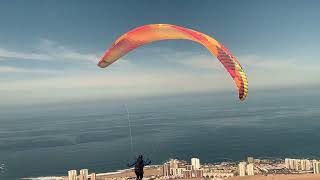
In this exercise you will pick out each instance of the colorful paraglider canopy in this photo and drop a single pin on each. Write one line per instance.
(157, 32)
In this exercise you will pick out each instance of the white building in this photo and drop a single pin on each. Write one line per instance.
(173, 168)
(298, 164)
(83, 174)
(316, 167)
(250, 171)
(93, 176)
(250, 159)
(72, 175)
(308, 165)
(165, 170)
(242, 168)
(180, 169)
(305, 165)
(291, 163)
(195, 162)
(286, 163)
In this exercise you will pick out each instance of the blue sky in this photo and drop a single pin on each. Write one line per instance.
(49, 49)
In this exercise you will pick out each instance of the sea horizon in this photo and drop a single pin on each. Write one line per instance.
(95, 135)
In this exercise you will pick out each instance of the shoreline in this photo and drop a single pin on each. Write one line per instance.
(128, 172)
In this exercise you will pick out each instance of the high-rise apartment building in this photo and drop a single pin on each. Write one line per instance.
(296, 164)
(286, 163)
(93, 176)
(308, 165)
(316, 167)
(250, 160)
(303, 164)
(250, 171)
(291, 163)
(165, 169)
(299, 164)
(72, 175)
(83, 174)
(173, 168)
(180, 169)
(242, 168)
(195, 162)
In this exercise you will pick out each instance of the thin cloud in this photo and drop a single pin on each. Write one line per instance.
(254, 61)
(126, 78)
(9, 69)
(134, 80)
(48, 50)
(6, 53)
(58, 51)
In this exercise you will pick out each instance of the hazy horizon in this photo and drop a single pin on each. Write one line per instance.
(54, 58)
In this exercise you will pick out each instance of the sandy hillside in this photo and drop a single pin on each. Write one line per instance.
(279, 177)
(147, 172)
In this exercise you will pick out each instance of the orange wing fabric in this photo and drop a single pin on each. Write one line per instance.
(157, 32)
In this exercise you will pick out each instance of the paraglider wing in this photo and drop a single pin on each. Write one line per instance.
(157, 32)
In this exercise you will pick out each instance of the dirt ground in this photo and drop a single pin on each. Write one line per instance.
(279, 177)
(156, 171)
(147, 172)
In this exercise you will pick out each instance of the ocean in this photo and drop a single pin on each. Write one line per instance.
(50, 139)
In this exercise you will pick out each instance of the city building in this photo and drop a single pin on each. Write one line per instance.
(72, 175)
(303, 164)
(187, 174)
(173, 168)
(195, 162)
(316, 167)
(312, 163)
(198, 173)
(298, 164)
(250, 171)
(250, 159)
(306, 164)
(291, 163)
(257, 160)
(180, 169)
(83, 174)
(93, 176)
(165, 170)
(286, 163)
(242, 168)
(189, 167)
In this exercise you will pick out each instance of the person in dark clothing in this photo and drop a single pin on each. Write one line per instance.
(138, 166)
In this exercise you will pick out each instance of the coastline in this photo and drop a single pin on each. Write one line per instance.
(149, 170)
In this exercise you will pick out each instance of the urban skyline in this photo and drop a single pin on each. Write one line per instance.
(175, 169)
